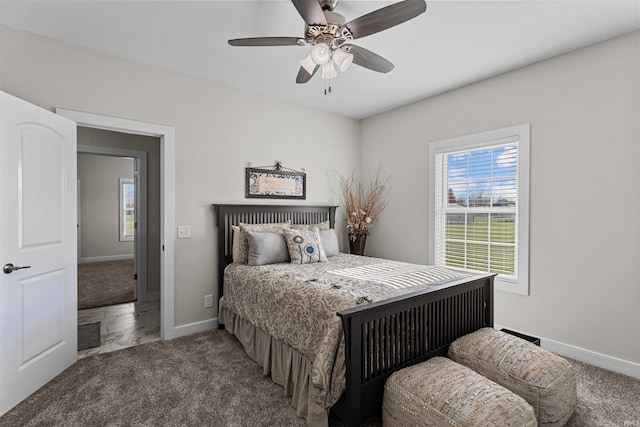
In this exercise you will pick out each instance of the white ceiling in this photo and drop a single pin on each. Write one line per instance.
(453, 44)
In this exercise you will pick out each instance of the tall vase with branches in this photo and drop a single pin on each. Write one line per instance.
(362, 200)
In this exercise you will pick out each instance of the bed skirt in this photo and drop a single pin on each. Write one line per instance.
(286, 366)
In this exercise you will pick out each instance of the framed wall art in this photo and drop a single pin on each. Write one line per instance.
(275, 183)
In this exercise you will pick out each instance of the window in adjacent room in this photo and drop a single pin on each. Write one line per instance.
(479, 205)
(127, 209)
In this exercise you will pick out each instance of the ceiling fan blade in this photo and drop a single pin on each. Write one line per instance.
(310, 11)
(386, 17)
(304, 76)
(367, 59)
(267, 41)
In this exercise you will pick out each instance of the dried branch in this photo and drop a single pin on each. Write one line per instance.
(362, 202)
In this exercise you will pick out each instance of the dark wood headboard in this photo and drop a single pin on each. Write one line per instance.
(228, 215)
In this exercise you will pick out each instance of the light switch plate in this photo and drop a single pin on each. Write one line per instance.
(184, 231)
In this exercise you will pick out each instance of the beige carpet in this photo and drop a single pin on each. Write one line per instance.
(207, 380)
(105, 283)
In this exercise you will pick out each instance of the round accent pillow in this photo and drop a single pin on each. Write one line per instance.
(304, 245)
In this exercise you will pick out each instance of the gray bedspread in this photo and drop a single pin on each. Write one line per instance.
(297, 304)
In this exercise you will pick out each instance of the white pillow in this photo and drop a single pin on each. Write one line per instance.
(329, 241)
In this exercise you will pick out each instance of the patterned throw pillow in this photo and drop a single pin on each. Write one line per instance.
(304, 245)
(243, 248)
(322, 226)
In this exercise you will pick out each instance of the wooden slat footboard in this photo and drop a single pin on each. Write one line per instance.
(386, 336)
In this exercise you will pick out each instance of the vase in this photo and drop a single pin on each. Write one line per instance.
(356, 247)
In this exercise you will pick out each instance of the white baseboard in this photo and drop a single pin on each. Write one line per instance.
(591, 357)
(104, 258)
(151, 296)
(611, 363)
(193, 328)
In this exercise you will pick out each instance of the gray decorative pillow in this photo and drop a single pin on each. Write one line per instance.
(266, 248)
(329, 241)
(304, 246)
(243, 248)
(322, 226)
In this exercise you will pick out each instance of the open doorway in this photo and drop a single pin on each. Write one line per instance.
(166, 135)
(118, 239)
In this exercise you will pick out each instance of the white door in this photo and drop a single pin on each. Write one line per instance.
(38, 304)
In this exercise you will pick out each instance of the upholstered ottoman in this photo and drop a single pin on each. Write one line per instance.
(441, 392)
(543, 379)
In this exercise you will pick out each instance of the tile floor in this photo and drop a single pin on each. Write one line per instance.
(122, 325)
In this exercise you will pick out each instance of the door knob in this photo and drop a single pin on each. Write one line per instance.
(10, 268)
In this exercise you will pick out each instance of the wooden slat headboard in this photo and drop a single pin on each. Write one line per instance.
(228, 215)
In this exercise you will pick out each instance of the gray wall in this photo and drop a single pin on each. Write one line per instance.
(584, 110)
(150, 145)
(99, 196)
(218, 129)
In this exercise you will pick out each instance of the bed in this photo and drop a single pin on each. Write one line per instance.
(374, 336)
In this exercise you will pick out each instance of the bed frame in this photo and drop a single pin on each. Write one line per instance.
(385, 336)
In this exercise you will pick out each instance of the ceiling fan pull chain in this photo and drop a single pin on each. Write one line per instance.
(327, 85)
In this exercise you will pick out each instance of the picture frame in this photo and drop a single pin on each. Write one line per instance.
(275, 184)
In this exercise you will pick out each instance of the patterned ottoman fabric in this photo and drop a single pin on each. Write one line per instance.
(440, 392)
(543, 379)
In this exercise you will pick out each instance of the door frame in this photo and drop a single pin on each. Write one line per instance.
(140, 246)
(167, 198)
(78, 218)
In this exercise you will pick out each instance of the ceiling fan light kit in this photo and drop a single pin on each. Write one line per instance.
(308, 64)
(328, 33)
(329, 71)
(342, 59)
(320, 54)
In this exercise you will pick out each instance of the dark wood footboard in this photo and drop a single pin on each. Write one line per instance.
(383, 337)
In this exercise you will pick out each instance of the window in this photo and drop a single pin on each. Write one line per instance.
(479, 205)
(127, 209)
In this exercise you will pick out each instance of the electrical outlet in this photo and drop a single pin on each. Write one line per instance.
(184, 232)
(208, 301)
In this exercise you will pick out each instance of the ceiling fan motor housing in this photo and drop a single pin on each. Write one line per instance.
(333, 34)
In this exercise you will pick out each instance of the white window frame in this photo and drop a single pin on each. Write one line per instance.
(124, 237)
(521, 134)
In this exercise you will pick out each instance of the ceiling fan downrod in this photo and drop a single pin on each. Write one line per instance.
(328, 4)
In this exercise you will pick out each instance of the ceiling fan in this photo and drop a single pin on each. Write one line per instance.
(329, 33)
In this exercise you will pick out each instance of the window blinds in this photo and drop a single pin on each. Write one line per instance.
(476, 208)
